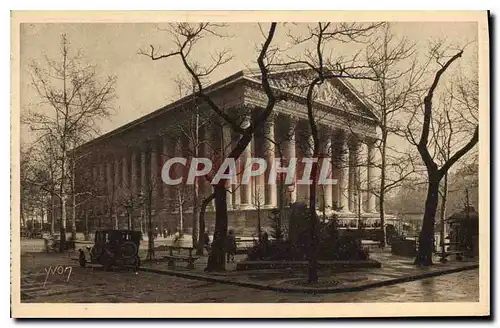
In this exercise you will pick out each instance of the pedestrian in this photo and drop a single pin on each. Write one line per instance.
(230, 246)
(206, 241)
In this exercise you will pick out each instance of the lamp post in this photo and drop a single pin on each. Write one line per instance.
(128, 208)
(290, 188)
(357, 195)
(140, 204)
(359, 209)
(87, 234)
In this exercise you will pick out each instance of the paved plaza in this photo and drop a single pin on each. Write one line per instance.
(93, 284)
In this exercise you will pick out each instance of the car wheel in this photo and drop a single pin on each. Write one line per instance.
(137, 263)
(106, 262)
(128, 250)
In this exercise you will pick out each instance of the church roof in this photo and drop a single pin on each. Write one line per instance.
(337, 93)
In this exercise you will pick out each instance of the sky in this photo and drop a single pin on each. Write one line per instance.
(144, 85)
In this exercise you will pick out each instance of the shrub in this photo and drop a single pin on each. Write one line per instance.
(332, 244)
(276, 225)
(276, 250)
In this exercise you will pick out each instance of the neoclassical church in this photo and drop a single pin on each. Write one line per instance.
(123, 167)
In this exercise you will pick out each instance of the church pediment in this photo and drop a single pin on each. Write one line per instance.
(337, 93)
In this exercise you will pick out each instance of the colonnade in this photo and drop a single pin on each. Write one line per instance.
(351, 164)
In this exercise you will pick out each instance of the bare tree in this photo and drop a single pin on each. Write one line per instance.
(72, 100)
(82, 191)
(148, 208)
(186, 37)
(397, 82)
(422, 120)
(31, 194)
(325, 67)
(449, 126)
(190, 129)
(130, 201)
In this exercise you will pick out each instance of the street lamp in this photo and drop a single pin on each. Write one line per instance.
(290, 188)
(129, 207)
(357, 195)
(140, 204)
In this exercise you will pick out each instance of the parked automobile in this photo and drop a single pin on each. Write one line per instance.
(118, 248)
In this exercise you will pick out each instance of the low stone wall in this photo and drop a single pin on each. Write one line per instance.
(259, 265)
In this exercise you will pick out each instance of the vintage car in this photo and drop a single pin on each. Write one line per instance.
(118, 248)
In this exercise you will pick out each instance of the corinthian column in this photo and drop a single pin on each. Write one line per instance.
(117, 172)
(246, 189)
(175, 172)
(269, 150)
(353, 176)
(155, 181)
(362, 173)
(226, 141)
(143, 171)
(371, 207)
(344, 174)
(206, 152)
(102, 185)
(325, 165)
(134, 186)
(235, 187)
(125, 176)
(109, 177)
(290, 153)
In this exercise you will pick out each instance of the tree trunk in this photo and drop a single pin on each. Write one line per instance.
(382, 219)
(87, 234)
(180, 228)
(52, 214)
(141, 221)
(129, 220)
(148, 213)
(62, 227)
(203, 209)
(23, 218)
(382, 195)
(196, 185)
(259, 224)
(151, 242)
(313, 244)
(216, 260)
(42, 211)
(442, 214)
(73, 200)
(73, 217)
(426, 237)
(196, 210)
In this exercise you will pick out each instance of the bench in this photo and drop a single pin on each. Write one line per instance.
(239, 249)
(459, 255)
(52, 245)
(171, 258)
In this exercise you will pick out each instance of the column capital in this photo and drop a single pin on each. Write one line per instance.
(325, 132)
(293, 120)
(273, 116)
(370, 141)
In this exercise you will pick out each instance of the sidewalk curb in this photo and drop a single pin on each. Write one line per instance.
(310, 290)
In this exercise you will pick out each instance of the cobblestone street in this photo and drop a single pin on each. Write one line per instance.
(96, 285)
